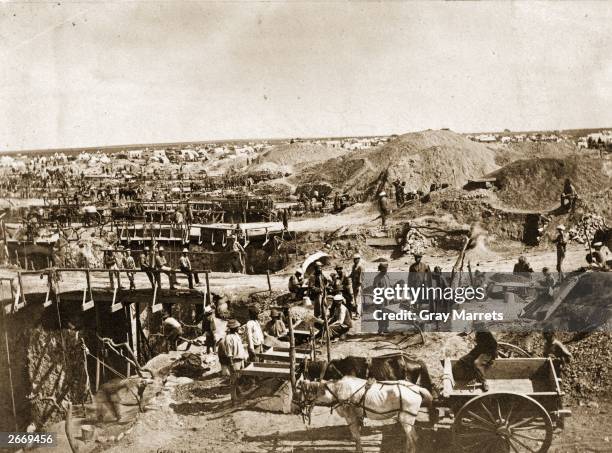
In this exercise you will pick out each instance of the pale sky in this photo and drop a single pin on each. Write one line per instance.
(102, 73)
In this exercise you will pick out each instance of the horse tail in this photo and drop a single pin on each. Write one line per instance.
(425, 378)
(426, 395)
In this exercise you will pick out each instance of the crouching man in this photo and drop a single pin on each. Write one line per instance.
(474, 364)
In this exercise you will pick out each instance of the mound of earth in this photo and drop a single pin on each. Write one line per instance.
(537, 183)
(530, 150)
(299, 153)
(419, 158)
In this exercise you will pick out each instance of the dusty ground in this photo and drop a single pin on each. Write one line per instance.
(197, 417)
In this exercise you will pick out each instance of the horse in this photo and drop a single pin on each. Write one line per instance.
(388, 367)
(356, 399)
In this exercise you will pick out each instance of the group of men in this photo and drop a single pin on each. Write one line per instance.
(318, 286)
(153, 263)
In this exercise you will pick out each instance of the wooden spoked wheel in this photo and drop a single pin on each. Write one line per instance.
(508, 350)
(502, 423)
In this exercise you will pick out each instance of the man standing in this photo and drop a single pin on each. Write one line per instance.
(342, 285)
(110, 262)
(383, 207)
(129, 263)
(255, 336)
(235, 355)
(317, 285)
(419, 274)
(356, 276)
(185, 268)
(145, 265)
(561, 241)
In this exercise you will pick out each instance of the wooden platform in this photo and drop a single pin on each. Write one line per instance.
(266, 370)
(278, 355)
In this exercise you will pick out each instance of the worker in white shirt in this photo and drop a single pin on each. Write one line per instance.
(185, 268)
(255, 336)
(232, 348)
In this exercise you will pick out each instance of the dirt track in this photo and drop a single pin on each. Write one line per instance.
(197, 417)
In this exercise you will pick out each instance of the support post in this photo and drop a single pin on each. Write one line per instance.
(291, 349)
(208, 293)
(326, 323)
(268, 278)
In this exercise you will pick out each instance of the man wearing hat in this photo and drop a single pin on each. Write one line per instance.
(185, 268)
(340, 321)
(317, 285)
(419, 274)
(145, 264)
(275, 327)
(356, 276)
(296, 283)
(161, 265)
(232, 349)
(561, 241)
(254, 334)
(341, 284)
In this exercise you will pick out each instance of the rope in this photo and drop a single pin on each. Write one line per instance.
(10, 373)
(59, 321)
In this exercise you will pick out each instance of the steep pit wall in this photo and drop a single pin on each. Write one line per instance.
(49, 361)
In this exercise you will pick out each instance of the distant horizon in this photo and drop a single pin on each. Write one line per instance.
(278, 139)
(78, 74)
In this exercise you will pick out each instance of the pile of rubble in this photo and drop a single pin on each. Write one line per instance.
(585, 229)
(589, 375)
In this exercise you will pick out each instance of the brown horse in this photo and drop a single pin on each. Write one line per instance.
(388, 367)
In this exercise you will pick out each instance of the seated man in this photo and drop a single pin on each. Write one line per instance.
(522, 266)
(473, 365)
(275, 327)
(340, 321)
(296, 284)
(569, 195)
(597, 258)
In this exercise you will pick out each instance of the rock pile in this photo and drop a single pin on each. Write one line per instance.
(584, 231)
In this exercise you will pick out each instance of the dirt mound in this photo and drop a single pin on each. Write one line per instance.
(537, 183)
(299, 153)
(419, 158)
(531, 150)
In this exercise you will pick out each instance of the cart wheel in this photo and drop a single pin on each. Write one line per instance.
(502, 423)
(508, 350)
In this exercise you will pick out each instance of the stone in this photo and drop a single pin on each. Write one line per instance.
(188, 365)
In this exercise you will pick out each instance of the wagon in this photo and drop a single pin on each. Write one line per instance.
(517, 415)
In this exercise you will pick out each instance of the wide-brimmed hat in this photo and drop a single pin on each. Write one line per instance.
(560, 227)
(597, 244)
(338, 298)
(382, 194)
(208, 310)
(318, 263)
(146, 249)
(356, 256)
(161, 248)
(185, 250)
(233, 324)
(274, 312)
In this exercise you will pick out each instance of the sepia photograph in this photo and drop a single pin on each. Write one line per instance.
(305, 226)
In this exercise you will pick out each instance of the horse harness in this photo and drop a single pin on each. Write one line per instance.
(307, 404)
